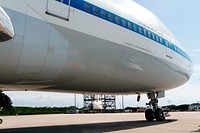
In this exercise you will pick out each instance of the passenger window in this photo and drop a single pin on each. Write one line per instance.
(175, 49)
(160, 40)
(87, 7)
(149, 34)
(140, 30)
(157, 39)
(110, 17)
(117, 20)
(145, 32)
(153, 36)
(123, 22)
(95, 10)
(103, 14)
(167, 44)
(135, 27)
(129, 25)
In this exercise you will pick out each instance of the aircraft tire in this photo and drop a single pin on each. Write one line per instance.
(149, 115)
(159, 114)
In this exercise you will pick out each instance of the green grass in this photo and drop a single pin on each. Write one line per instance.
(36, 110)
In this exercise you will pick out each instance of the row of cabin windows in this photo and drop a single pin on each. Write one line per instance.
(175, 48)
(131, 26)
(136, 28)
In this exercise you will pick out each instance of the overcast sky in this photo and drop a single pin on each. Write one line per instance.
(183, 19)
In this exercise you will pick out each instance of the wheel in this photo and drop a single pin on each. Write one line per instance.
(159, 114)
(1, 121)
(149, 115)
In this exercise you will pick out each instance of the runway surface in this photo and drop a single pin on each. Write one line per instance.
(178, 122)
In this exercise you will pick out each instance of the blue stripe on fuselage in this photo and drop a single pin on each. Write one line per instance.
(80, 5)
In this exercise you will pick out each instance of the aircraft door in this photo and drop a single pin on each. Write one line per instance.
(58, 8)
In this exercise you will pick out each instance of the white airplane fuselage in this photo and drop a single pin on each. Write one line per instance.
(89, 46)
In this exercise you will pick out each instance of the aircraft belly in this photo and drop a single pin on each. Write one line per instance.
(97, 65)
(165, 75)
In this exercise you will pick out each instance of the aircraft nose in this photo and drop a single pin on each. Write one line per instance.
(6, 27)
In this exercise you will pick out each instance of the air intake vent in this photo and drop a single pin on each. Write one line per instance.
(6, 27)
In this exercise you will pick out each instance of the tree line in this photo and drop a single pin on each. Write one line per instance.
(36, 110)
(6, 108)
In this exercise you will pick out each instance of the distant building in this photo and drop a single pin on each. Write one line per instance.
(194, 107)
(99, 102)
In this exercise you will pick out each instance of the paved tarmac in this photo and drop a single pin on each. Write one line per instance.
(178, 122)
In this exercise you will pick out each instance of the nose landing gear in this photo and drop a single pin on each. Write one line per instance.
(153, 111)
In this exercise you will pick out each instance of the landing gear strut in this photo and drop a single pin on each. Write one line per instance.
(153, 111)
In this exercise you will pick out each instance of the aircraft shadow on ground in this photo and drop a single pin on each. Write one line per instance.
(87, 128)
(198, 131)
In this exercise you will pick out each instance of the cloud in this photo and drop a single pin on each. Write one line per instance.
(196, 69)
(197, 50)
(33, 99)
(186, 94)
